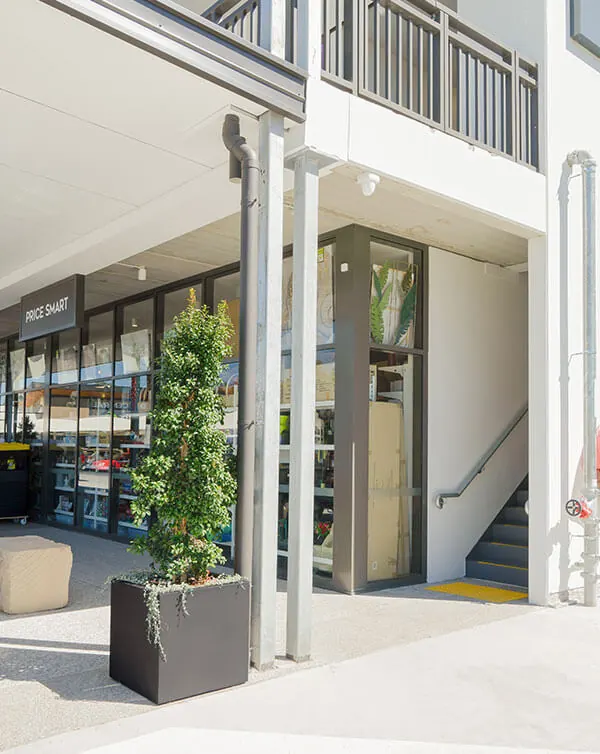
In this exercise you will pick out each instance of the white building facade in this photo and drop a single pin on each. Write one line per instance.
(415, 195)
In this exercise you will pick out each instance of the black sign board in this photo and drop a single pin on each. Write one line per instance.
(55, 308)
(585, 24)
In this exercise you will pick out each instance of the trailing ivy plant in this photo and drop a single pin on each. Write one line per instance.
(187, 479)
(153, 587)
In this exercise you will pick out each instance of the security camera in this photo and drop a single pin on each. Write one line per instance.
(368, 183)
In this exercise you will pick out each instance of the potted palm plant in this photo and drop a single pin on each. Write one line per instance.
(179, 630)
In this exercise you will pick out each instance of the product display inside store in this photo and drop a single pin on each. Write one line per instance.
(82, 399)
(395, 389)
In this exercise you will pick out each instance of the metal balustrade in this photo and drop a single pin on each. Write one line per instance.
(421, 60)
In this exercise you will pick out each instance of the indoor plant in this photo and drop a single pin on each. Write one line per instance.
(178, 630)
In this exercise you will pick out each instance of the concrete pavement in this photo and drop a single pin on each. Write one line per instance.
(528, 682)
(231, 742)
(54, 666)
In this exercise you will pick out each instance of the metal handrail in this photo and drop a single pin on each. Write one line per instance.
(441, 498)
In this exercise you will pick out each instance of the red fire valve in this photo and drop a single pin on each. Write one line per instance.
(579, 508)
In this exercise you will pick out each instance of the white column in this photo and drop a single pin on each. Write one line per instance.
(310, 14)
(266, 498)
(540, 466)
(272, 26)
(302, 419)
(555, 365)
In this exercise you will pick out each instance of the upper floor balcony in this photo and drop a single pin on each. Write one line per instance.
(419, 58)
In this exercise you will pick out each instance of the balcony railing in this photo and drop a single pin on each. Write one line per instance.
(421, 60)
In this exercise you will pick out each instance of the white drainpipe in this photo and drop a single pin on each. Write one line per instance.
(590, 547)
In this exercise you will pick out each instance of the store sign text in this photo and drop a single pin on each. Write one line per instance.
(39, 312)
(55, 308)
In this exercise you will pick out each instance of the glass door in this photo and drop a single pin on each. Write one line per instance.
(93, 485)
(131, 442)
(395, 414)
(62, 442)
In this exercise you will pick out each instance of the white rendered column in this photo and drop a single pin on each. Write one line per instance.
(310, 13)
(263, 622)
(302, 435)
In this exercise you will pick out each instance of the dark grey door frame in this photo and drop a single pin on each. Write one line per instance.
(352, 355)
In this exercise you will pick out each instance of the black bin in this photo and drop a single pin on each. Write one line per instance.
(14, 480)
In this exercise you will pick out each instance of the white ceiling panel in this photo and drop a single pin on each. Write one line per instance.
(46, 142)
(59, 61)
(404, 211)
(33, 211)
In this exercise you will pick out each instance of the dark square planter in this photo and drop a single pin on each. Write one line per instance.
(205, 651)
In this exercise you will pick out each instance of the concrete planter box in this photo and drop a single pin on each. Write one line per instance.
(205, 651)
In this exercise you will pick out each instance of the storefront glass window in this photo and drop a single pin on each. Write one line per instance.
(175, 303)
(2, 418)
(131, 442)
(228, 289)
(393, 311)
(63, 455)
(324, 415)
(97, 349)
(16, 363)
(65, 357)
(394, 504)
(15, 405)
(93, 486)
(324, 461)
(229, 391)
(134, 345)
(33, 425)
(3, 367)
(325, 299)
(37, 363)
(33, 434)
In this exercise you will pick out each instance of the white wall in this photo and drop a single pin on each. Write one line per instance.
(571, 122)
(485, 186)
(477, 385)
(518, 24)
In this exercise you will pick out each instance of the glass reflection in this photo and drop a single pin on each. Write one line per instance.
(131, 442)
(63, 454)
(93, 486)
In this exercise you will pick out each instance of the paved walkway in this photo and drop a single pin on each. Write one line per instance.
(528, 682)
(401, 665)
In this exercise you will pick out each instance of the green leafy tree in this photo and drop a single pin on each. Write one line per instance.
(186, 478)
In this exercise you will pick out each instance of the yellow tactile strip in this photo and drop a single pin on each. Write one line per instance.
(479, 592)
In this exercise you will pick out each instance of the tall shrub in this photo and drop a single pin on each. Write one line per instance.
(186, 478)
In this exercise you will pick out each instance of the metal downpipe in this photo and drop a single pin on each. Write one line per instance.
(242, 154)
(590, 546)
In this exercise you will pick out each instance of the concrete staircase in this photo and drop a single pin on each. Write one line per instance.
(502, 552)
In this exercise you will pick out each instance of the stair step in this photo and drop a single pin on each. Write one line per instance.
(522, 496)
(502, 574)
(513, 514)
(510, 534)
(501, 553)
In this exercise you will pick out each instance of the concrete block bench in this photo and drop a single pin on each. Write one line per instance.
(34, 574)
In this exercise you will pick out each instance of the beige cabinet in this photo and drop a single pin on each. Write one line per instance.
(388, 519)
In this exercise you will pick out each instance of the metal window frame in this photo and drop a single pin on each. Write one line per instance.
(353, 346)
